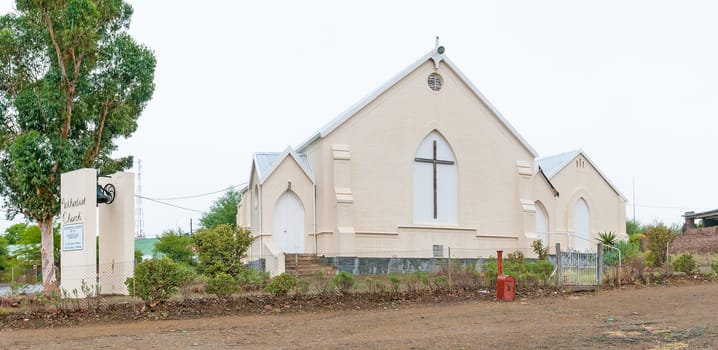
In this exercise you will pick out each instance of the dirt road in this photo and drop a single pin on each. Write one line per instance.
(643, 318)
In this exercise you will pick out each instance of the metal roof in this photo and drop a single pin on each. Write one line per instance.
(437, 58)
(267, 162)
(702, 215)
(553, 164)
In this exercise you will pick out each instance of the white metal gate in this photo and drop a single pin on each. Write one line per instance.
(579, 268)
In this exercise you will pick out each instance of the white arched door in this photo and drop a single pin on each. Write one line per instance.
(289, 224)
(581, 225)
(542, 224)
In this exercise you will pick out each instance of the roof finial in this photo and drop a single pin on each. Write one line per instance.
(436, 46)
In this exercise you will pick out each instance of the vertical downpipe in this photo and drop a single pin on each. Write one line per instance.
(314, 214)
(259, 204)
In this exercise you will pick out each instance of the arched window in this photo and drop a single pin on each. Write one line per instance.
(581, 226)
(542, 223)
(435, 182)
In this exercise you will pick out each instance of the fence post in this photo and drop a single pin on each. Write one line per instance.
(599, 263)
(559, 268)
(450, 267)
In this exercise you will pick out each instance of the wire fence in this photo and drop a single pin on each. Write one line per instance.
(94, 280)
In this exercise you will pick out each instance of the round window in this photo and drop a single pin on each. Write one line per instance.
(435, 81)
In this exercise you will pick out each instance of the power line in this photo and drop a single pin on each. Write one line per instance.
(170, 204)
(199, 195)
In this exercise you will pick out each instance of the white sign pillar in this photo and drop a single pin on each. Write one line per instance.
(78, 231)
(117, 226)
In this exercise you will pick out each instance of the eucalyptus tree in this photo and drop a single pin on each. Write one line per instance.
(72, 81)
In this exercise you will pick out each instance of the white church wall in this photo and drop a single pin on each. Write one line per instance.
(606, 208)
(288, 176)
(383, 138)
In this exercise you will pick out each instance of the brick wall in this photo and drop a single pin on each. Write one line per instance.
(697, 240)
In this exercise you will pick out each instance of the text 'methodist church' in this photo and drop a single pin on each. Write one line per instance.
(422, 165)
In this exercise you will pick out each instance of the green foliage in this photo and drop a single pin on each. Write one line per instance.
(302, 286)
(607, 238)
(634, 227)
(251, 279)
(156, 280)
(659, 237)
(441, 282)
(344, 281)
(175, 246)
(72, 81)
(524, 272)
(395, 282)
(221, 284)
(539, 249)
(714, 266)
(628, 250)
(418, 280)
(13, 233)
(516, 257)
(281, 285)
(223, 211)
(3, 254)
(685, 263)
(221, 248)
(138, 256)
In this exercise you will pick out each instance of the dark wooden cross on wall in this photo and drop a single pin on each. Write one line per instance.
(434, 161)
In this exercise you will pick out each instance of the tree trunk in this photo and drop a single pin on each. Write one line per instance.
(47, 250)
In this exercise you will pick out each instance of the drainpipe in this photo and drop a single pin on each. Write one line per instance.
(259, 205)
(314, 213)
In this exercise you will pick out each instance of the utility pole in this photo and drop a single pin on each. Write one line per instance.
(634, 199)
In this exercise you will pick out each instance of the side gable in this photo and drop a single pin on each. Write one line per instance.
(437, 58)
(553, 165)
(265, 163)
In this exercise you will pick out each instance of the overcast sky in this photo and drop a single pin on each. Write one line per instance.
(632, 83)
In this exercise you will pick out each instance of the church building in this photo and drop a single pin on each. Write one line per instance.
(424, 167)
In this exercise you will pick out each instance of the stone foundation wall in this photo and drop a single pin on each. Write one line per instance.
(697, 240)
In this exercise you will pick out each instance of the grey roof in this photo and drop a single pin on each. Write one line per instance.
(267, 162)
(431, 55)
(701, 215)
(552, 165)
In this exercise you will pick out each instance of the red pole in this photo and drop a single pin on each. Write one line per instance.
(500, 262)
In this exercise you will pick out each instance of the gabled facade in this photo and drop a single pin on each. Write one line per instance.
(422, 165)
(575, 201)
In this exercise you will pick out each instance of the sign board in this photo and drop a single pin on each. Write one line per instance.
(72, 237)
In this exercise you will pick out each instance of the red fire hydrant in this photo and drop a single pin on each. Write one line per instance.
(505, 285)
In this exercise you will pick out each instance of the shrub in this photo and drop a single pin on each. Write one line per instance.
(628, 249)
(539, 249)
(441, 282)
(516, 257)
(659, 237)
(282, 284)
(714, 266)
(685, 263)
(417, 281)
(251, 279)
(189, 276)
(222, 285)
(344, 281)
(221, 249)
(156, 280)
(176, 246)
(302, 286)
(607, 238)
